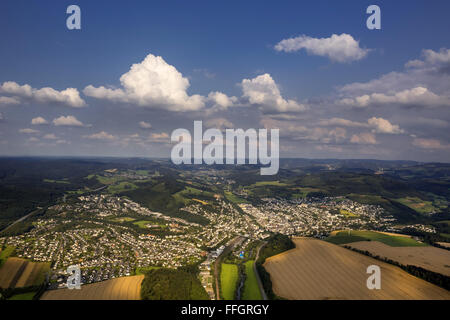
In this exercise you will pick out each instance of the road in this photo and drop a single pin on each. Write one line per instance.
(21, 219)
(219, 261)
(33, 212)
(261, 288)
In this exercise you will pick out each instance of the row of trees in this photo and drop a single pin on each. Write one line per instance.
(170, 284)
(438, 279)
(276, 244)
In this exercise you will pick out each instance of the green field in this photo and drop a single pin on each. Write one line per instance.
(5, 254)
(143, 172)
(144, 270)
(143, 224)
(23, 296)
(185, 196)
(417, 204)
(123, 219)
(251, 289)
(121, 187)
(107, 180)
(233, 198)
(343, 237)
(56, 181)
(347, 213)
(228, 280)
(303, 192)
(268, 183)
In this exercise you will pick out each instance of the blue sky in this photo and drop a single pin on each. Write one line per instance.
(215, 46)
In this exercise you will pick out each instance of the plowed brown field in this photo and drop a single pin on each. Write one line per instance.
(125, 288)
(17, 273)
(430, 258)
(320, 270)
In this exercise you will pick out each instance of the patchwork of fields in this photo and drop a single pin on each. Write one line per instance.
(390, 239)
(430, 258)
(320, 270)
(19, 273)
(125, 288)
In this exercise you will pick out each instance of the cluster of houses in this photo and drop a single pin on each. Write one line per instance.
(315, 216)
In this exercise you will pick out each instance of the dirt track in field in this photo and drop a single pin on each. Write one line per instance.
(430, 258)
(318, 270)
(125, 288)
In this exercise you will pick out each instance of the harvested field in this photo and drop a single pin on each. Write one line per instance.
(318, 270)
(125, 288)
(430, 258)
(18, 273)
(11, 271)
(391, 239)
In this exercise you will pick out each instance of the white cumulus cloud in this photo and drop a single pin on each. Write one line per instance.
(341, 122)
(363, 138)
(381, 125)
(162, 137)
(219, 123)
(50, 136)
(221, 100)
(28, 131)
(68, 121)
(145, 125)
(9, 101)
(68, 97)
(418, 96)
(101, 136)
(263, 92)
(339, 48)
(430, 144)
(151, 83)
(38, 121)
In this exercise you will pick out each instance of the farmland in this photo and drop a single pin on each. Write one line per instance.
(430, 258)
(125, 288)
(417, 204)
(228, 280)
(320, 270)
(251, 289)
(23, 296)
(5, 253)
(19, 273)
(233, 198)
(343, 237)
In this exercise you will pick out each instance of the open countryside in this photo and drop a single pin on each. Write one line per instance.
(19, 273)
(390, 239)
(125, 288)
(251, 288)
(228, 280)
(320, 270)
(430, 258)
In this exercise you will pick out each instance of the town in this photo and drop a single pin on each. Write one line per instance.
(110, 236)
